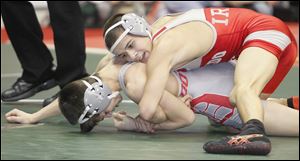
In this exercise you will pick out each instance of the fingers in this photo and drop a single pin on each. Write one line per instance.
(145, 126)
(187, 100)
(152, 131)
(13, 112)
(18, 116)
(187, 96)
(122, 112)
(119, 116)
(13, 119)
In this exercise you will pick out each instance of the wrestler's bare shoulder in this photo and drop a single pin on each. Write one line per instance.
(162, 21)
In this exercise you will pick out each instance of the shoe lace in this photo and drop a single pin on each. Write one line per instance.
(242, 139)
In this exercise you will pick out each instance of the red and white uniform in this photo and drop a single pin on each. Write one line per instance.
(236, 29)
(210, 88)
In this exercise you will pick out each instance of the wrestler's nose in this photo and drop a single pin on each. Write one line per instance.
(132, 55)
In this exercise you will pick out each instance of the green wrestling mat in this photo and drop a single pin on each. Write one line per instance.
(54, 138)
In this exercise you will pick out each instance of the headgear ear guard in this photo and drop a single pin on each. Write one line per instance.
(132, 24)
(97, 98)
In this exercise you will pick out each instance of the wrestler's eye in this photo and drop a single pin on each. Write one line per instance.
(132, 44)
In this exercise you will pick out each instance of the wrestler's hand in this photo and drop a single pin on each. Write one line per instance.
(18, 116)
(119, 120)
(186, 99)
(143, 125)
(124, 122)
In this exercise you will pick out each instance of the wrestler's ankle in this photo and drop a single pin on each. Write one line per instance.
(253, 126)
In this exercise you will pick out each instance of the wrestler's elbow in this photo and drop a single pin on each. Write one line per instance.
(146, 114)
(189, 120)
(184, 123)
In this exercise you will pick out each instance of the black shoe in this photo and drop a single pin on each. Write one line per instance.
(47, 101)
(22, 89)
(252, 144)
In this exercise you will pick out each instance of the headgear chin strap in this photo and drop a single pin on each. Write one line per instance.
(97, 98)
(132, 24)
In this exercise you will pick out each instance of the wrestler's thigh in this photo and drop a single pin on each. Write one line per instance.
(254, 68)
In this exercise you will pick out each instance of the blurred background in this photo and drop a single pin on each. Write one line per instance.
(97, 12)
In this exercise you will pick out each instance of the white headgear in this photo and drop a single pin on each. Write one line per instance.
(97, 98)
(132, 24)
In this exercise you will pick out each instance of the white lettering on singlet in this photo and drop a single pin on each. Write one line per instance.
(221, 13)
(217, 58)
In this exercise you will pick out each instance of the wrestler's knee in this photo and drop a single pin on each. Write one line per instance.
(239, 91)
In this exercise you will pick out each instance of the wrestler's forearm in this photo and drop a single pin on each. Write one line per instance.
(176, 111)
(139, 125)
(50, 110)
(153, 91)
(159, 116)
(169, 125)
(174, 114)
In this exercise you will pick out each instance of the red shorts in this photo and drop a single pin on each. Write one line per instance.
(273, 35)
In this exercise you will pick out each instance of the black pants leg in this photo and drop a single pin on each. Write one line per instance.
(67, 23)
(26, 37)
